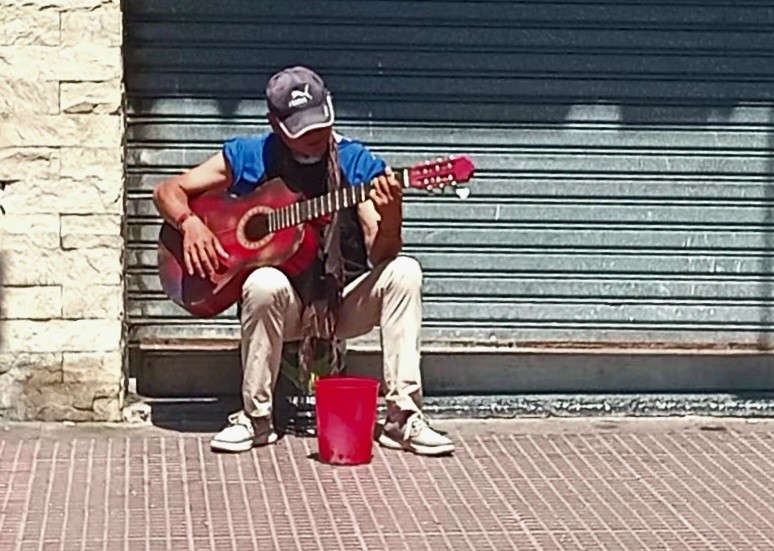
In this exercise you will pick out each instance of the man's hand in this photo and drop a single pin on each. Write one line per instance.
(202, 251)
(387, 196)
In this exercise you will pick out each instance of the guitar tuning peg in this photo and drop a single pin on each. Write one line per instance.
(462, 192)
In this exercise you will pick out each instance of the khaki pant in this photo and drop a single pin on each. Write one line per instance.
(388, 296)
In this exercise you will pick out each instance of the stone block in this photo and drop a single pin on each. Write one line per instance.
(104, 164)
(101, 266)
(33, 267)
(93, 302)
(93, 367)
(30, 233)
(26, 361)
(24, 164)
(67, 63)
(107, 408)
(28, 96)
(99, 27)
(87, 232)
(59, 410)
(36, 303)
(60, 5)
(65, 196)
(56, 267)
(73, 402)
(23, 25)
(30, 252)
(60, 130)
(24, 373)
(61, 335)
(91, 97)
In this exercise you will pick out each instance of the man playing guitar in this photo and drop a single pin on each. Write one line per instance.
(357, 281)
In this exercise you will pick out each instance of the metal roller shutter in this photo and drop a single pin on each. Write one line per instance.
(624, 152)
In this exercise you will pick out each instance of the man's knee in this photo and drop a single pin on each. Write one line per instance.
(265, 286)
(405, 273)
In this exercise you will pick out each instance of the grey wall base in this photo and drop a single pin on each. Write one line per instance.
(602, 405)
(191, 373)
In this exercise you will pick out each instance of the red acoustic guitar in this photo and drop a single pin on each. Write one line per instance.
(271, 226)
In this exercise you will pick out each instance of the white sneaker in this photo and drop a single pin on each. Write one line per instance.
(415, 435)
(243, 433)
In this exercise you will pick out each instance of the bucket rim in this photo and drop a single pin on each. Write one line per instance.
(344, 381)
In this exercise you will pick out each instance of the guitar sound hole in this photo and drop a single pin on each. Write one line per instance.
(257, 227)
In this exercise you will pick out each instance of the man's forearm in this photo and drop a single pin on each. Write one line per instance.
(388, 241)
(171, 201)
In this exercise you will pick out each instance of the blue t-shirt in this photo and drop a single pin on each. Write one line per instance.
(252, 158)
(256, 159)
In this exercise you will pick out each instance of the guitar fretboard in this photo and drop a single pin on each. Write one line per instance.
(310, 209)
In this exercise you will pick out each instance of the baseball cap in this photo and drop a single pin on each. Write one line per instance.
(297, 96)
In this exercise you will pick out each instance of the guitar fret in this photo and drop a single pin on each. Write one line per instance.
(310, 209)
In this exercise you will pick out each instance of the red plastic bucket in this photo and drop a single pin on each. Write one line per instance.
(346, 416)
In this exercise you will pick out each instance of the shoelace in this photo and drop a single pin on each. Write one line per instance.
(237, 418)
(417, 423)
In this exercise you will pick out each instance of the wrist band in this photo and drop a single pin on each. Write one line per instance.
(182, 218)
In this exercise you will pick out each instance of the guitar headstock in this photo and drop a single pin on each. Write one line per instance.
(442, 172)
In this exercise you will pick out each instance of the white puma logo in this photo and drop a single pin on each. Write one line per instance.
(300, 97)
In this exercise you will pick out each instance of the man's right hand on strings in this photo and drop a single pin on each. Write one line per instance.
(202, 251)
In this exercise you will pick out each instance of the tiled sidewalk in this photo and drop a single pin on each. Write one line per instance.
(531, 484)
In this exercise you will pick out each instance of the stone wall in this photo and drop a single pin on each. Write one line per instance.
(61, 254)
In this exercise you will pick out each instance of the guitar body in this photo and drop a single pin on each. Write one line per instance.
(289, 249)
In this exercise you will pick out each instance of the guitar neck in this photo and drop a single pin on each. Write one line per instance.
(310, 209)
